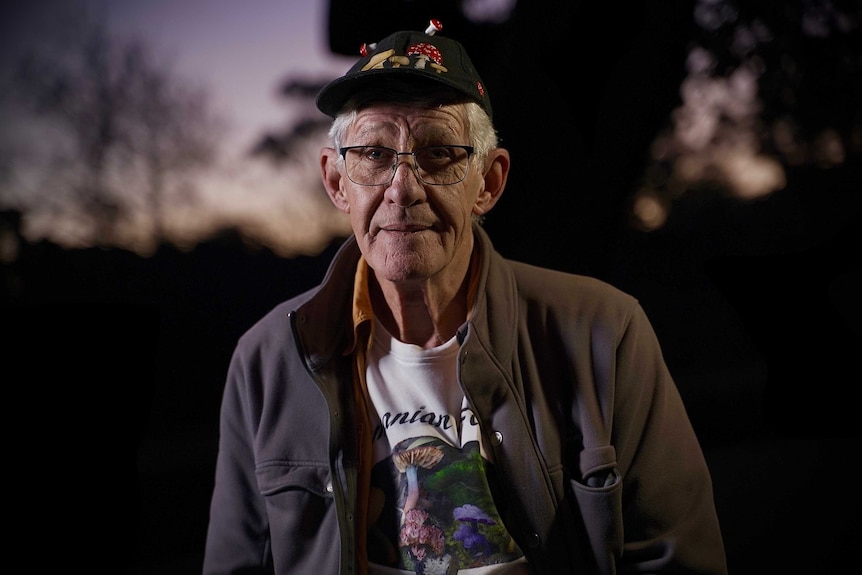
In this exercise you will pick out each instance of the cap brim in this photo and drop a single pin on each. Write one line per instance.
(334, 95)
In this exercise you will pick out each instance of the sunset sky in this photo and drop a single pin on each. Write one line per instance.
(239, 53)
(242, 49)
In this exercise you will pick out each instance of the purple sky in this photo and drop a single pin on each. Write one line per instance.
(239, 52)
(241, 49)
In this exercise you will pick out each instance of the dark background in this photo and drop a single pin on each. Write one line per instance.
(115, 363)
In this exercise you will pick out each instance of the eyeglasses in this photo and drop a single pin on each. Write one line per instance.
(434, 165)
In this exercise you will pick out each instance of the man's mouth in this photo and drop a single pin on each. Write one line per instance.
(404, 228)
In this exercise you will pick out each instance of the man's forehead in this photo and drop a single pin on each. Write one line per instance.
(394, 119)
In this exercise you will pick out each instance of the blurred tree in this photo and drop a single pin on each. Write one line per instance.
(773, 89)
(113, 137)
(291, 144)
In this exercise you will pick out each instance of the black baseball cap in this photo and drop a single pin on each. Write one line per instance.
(408, 54)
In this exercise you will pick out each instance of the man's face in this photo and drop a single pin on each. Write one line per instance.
(409, 230)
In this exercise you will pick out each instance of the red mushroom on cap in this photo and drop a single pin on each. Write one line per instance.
(366, 48)
(426, 53)
(434, 26)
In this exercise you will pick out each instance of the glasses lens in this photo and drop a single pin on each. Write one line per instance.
(442, 164)
(436, 165)
(370, 165)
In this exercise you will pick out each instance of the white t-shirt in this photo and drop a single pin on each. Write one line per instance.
(431, 501)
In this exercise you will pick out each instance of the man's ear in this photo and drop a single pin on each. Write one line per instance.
(495, 175)
(332, 179)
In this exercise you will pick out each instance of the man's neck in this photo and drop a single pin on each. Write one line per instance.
(423, 313)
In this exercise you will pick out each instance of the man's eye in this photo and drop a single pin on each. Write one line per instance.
(377, 154)
(435, 156)
(437, 153)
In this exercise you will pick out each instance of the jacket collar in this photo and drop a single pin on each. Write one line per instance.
(325, 320)
(493, 320)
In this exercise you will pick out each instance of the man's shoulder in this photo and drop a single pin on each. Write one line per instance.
(274, 324)
(541, 280)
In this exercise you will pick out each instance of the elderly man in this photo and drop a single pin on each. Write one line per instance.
(432, 407)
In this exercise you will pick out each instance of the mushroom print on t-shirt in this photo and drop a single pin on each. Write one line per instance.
(432, 507)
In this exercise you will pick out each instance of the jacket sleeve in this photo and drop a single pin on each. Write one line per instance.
(238, 534)
(668, 513)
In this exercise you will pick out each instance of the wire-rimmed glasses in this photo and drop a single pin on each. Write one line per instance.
(434, 165)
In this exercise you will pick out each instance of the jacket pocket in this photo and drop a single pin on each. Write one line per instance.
(302, 517)
(274, 477)
(599, 499)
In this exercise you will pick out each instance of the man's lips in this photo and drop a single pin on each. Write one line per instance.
(404, 228)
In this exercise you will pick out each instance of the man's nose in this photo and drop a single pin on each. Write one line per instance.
(406, 188)
(405, 158)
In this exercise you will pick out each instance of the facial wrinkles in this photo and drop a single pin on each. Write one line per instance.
(406, 128)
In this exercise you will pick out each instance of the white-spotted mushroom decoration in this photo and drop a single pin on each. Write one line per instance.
(427, 54)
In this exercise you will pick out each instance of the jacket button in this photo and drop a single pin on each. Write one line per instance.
(533, 540)
(328, 487)
(497, 439)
